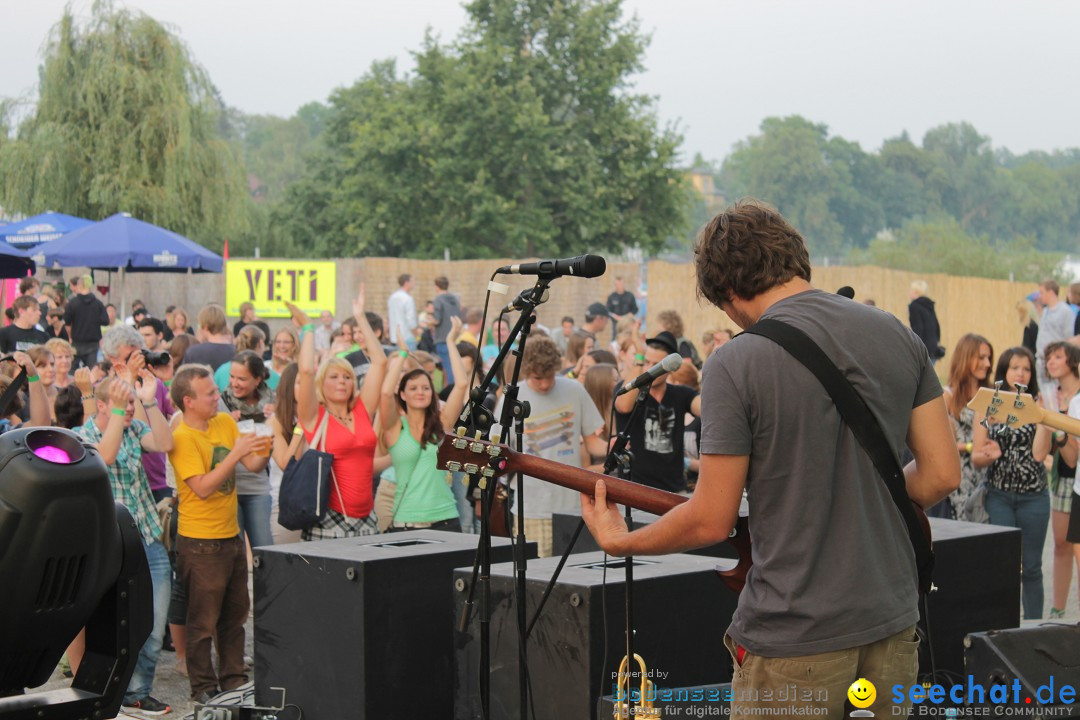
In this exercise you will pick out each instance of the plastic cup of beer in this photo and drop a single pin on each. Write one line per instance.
(266, 437)
(246, 427)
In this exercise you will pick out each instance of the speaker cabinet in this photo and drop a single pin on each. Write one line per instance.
(1044, 659)
(681, 611)
(361, 627)
(978, 588)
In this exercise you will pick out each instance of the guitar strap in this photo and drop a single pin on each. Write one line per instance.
(864, 426)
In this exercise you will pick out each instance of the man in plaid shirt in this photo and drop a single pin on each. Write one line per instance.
(126, 424)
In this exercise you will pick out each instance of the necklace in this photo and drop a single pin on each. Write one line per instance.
(343, 419)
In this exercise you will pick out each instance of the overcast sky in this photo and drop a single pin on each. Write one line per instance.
(869, 69)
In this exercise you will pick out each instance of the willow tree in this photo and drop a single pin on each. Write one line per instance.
(125, 121)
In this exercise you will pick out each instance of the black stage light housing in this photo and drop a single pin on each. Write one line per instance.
(70, 557)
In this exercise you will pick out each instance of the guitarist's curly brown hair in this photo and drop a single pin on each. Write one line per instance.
(746, 250)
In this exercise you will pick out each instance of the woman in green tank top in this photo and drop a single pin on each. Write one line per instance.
(413, 421)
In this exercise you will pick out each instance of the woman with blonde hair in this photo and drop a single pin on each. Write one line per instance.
(1029, 318)
(63, 358)
(285, 350)
(969, 370)
(178, 323)
(327, 401)
(43, 361)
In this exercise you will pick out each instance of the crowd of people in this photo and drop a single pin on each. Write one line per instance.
(197, 426)
(197, 423)
(1019, 477)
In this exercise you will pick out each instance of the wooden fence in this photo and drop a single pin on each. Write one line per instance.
(964, 304)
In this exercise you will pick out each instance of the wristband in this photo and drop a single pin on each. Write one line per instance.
(88, 396)
(147, 406)
(310, 327)
(32, 378)
(297, 430)
(403, 353)
(639, 358)
(119, 412)
(969, 446)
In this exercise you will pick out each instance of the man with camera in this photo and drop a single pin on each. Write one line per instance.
(128, 424)
(123, 348)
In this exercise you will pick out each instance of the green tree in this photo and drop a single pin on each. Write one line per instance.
(126, 121)
(786, 165)
(942, 246)
(520, 137)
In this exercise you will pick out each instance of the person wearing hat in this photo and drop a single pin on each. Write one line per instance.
(656, 434)
(596, 319)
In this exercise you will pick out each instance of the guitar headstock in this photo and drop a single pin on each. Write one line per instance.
(458, 453)
(1008, 408)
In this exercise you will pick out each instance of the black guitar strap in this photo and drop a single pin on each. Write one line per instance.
(864, 426)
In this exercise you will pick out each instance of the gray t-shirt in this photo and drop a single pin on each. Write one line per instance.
(553, 431)
(445, 306)
(833, 564)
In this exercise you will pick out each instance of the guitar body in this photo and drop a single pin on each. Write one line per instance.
(489, 460)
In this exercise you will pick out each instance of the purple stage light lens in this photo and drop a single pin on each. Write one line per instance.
(53, 454)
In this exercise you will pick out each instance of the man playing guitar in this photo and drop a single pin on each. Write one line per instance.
(831, 596)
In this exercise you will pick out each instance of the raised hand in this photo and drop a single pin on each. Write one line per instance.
(456, 327)
(83, 381)
(299, 317)
(120, 394)
(147, 386)
(358, 302)
(26, 362)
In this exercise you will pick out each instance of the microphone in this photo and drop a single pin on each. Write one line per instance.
(668, 365)
(518, 303)
(586, 266)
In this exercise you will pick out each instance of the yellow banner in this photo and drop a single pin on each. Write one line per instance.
(267, 284)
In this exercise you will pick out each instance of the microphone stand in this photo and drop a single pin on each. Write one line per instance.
(479, 419)
(618, 458)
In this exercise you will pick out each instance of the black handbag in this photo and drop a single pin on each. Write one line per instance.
(305, 484)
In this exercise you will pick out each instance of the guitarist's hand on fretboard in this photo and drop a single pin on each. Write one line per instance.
(604, 520)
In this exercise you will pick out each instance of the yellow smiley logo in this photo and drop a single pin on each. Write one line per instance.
(862, 693)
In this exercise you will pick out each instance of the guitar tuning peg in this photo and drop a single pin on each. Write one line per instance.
(496, 438)
(477, 435)
(460, 430)
(997, 387)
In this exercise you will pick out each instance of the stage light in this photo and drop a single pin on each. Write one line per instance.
(70, 557)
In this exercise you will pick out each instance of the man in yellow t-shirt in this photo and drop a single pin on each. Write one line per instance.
(211, 559)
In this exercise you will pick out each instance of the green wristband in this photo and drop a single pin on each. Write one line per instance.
(403, 353)
(32, 378)
(639, 358)
(310, 327)
(118, 412)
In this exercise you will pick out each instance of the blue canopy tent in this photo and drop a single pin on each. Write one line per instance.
(123, 243)
(40, 228)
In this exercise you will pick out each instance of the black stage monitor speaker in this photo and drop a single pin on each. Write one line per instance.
(978, 588)
(361, 628)
(681, 611)
(1041, 663)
